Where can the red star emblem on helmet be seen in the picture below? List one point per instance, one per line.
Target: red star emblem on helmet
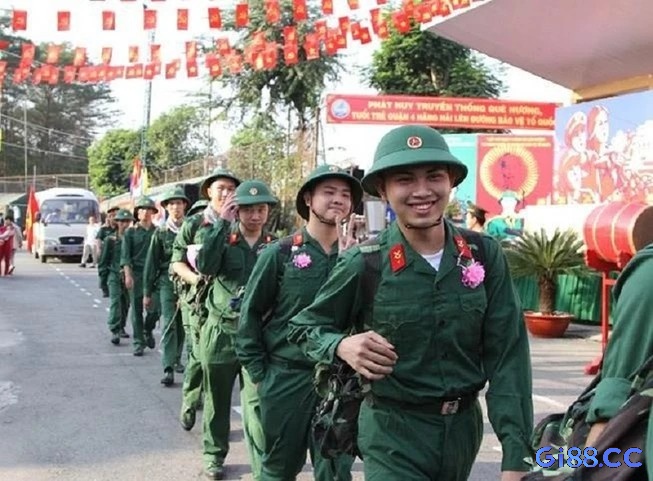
(414, 142)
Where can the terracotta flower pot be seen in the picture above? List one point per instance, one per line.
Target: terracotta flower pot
(547, 325)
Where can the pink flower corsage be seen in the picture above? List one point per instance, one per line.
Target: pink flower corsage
(302, 261)
(473, 274)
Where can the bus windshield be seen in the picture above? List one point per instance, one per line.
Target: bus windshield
(68, 211)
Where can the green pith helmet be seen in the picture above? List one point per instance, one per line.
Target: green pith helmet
(215, 175)
(124, 214)
(145, 203)
(113, 209)
(198, 206)
(176, 193)
(253, 192)
(324, 172)
(409, 146)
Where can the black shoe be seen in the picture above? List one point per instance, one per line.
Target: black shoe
(168, 378)
(179, 368)
(82, 265)
(187, 417)
(213, 470)
(124, 334)
(149, 341)
(138, 352)
(115, 338)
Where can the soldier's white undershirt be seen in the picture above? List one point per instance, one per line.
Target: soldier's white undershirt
(434, 259)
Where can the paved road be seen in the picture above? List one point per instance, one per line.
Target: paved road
(74, 407)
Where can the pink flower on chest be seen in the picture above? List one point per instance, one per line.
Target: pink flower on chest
(473, 274)
(302, 261)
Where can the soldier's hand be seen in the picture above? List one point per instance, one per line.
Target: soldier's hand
(369, 354)
(346, 233)
(147, 302)
(129, 281)
(229, 208)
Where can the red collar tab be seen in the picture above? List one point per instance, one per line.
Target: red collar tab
(233, 239)
(397, 258)
(297, 239)
(463, 248)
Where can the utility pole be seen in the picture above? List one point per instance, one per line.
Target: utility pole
(148, 105)
(25, 141)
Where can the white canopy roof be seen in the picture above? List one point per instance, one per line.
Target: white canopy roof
(578, 44)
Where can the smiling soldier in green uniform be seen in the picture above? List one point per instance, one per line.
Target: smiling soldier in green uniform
(192, 288)
(108, 228)
(110, 263)
(157, 278)
(227, 256)
(283, 283)
(443, 322)
(135, 244)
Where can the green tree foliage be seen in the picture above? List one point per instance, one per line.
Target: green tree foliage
(61, 119)
(176, 138)
(420, 63)
(111, 159)
(261, 150)
(297, 86)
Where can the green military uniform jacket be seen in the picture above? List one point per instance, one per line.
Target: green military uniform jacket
(157, 263)
(450, 339)
(192, 232)
(278, 290)
(631, 342)
(104, 232)
(505, 227)
(110, 255)
(135, 244)
(228, 259)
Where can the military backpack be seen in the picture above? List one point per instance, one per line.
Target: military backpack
(627, 429)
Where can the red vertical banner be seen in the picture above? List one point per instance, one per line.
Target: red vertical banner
(108, 20)
(242, 15)
(63, 21)
(133, 54)
(519, 164)
(107, 53)
(149, 19)
(182, 19)
(53, 54)
(19, 20)
(215, 18)
(30, 216)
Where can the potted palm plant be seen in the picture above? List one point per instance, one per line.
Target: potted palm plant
(535, 254)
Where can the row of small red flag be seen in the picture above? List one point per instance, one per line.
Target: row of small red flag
(259, 53)
(241, 13)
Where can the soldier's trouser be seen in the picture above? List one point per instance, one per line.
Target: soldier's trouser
(192, 387)
(252, 426)
(423, 446)
(118, 303)
(288, 402)
(172, 330)
(139, 328)
(219, 370)
(103, 280)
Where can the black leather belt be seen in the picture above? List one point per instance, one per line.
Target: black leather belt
(444, 406)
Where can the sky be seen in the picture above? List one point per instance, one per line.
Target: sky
(341, 142)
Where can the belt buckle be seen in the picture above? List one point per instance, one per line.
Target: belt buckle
(450, 407)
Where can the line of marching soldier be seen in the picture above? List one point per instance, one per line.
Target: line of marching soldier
(425, 315)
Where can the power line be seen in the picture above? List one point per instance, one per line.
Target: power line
(46, 129)
(42, 151)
